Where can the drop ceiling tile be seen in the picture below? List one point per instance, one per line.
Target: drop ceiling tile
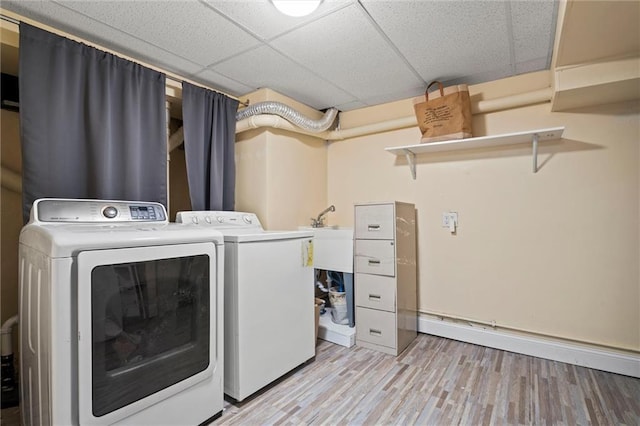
(446, 39)
(503, 71)
(532, 65)
(185, 28)
(351, 106)
(394, 96)
(79, 25)
(337, 56)
(346, 49)
(264, 67)
(216, 81)
(534, 25)
(264, 20)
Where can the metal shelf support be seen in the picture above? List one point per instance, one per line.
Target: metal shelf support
(411, 159)
(535, 152)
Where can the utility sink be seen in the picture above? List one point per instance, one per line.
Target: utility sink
(332, 248)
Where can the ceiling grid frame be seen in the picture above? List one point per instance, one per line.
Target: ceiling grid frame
(370, 70)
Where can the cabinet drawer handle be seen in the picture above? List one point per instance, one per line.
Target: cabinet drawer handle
(373, 227)
(375, 332)
(374, 262)
(375, 296)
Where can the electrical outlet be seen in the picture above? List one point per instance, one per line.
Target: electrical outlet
(447, 217)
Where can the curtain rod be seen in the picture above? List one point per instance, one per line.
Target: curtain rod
(9, 19)
(169, 75)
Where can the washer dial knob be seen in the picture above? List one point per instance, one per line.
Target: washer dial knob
(110, 212)
(247, 218)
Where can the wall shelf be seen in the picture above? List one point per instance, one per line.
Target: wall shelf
(532, 136)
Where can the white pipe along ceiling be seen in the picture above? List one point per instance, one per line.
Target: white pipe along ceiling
(277, 122)
(479, 107)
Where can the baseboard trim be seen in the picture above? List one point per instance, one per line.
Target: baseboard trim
(563, 351)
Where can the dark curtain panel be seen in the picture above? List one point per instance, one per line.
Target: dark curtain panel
(93, 125)
(209, 121)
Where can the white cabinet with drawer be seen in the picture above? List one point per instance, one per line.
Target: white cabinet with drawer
(385, 275)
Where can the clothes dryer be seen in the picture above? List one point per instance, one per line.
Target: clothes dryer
(120, 316)
(269, 324)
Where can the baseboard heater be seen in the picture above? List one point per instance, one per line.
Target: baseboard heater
(610, 360)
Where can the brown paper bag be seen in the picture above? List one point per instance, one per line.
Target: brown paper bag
(444, 115)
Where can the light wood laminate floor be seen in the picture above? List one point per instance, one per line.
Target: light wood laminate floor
(435, 381)
(438, 381)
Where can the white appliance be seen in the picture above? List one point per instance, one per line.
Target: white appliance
(120, 316)
(269, 313)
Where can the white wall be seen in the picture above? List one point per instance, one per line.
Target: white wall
(281, 176)
(556, 252)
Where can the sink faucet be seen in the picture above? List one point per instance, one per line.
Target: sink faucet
(319, 221)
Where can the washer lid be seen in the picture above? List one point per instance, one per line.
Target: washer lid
(237, 236)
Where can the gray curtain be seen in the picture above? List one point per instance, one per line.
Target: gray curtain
(93, 125)
(209, 121)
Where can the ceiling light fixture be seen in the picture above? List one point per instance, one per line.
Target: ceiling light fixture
(296, 8)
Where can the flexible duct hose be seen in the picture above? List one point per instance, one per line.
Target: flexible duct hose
(289, 114)
(6, 335)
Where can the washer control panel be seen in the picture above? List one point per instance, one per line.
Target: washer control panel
(70, 210)
(221, 219)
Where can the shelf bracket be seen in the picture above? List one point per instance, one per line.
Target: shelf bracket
(535, 152)
(411, 159)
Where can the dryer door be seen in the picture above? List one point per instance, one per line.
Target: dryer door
(145, 326)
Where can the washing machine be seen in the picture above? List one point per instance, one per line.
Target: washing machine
(121, 316)
(269, 317)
